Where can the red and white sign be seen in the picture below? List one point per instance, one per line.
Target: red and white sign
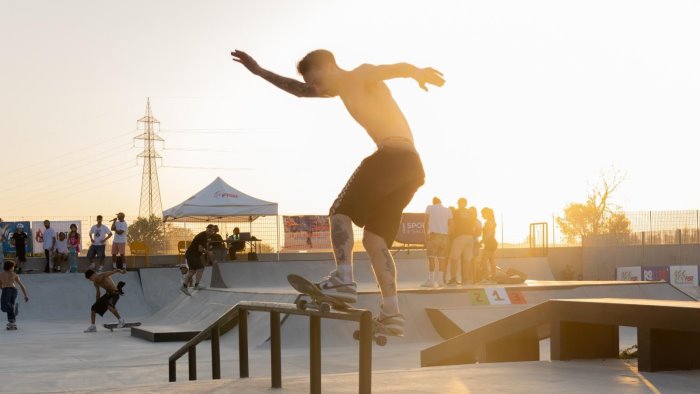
(629, 273)
(684, 275)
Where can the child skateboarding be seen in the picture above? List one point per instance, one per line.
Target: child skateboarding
(384, 183)
(108, 301)
(8, 300)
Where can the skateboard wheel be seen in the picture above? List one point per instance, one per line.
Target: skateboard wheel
(356, 335)
(325, 308)
(301, 304)
(380, 340)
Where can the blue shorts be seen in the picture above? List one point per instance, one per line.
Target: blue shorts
(96, 251)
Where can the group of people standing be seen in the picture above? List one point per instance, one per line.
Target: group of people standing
(454, 237)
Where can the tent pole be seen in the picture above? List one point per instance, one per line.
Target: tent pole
(278, 237)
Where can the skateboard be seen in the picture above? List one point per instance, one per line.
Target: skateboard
(112, 326)
(319, 301)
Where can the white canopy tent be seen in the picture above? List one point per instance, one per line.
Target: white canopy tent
(219, 201)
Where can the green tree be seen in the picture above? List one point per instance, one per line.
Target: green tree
(148, 230)
(597, 215)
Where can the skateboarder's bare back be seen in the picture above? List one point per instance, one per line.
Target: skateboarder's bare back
(383, 184)
(108, 301)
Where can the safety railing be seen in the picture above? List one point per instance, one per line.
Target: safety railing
(240, 310)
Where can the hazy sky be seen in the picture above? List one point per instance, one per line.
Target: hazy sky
(541, 96)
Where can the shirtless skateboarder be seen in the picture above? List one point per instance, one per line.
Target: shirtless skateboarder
(383, 184)
(108, 301)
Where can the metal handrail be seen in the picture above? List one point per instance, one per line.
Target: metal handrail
(240, 310)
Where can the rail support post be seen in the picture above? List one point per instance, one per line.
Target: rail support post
(315, 353)
(215, 354)
(275, 350)
(366, 353)
(243, 342)
(192, 361)
(172, 372)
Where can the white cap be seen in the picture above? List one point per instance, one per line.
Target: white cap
(20, 225)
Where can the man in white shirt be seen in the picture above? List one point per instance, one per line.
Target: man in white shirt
(99, 234)
(49, 245)
(119, 227)
(437, 218)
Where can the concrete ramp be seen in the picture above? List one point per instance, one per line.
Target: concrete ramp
(185, 316)
(162, 285)
(70, 296)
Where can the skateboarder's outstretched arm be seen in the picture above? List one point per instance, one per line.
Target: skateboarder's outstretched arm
(383, 72)
(112, 272)
(289, 85)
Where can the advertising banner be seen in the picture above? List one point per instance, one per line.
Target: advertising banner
(629, 273)
(58, 226)
(307, 232)
(655, 273)
(8, 228)
(411, 229)
(684, 275)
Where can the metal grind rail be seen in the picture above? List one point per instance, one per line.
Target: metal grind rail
(240, 310)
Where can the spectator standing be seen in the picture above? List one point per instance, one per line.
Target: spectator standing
(437, 218)
(120, 227)
(462, 249)
(3, 228)
(49, 245)
(488, 258)
(73, 248)
(99, 234)
(60, 251)
(19, 241)
(476, 262)
(8, 298)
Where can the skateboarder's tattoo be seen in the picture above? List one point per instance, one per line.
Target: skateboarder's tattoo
(390, 269)
(340, 239)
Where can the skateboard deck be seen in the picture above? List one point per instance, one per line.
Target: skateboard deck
(112, 326)
(319, 301)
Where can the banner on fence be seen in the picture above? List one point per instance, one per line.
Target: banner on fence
(684, 275)
(411, 229)
(58, 226)
(307, 232)
(629, 273)
(8, 228)
(655, 273)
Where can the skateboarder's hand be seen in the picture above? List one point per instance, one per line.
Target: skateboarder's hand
(122, 271)
(429, 75)
(246, 60)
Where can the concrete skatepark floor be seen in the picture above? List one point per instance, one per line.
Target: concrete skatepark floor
(50, 352)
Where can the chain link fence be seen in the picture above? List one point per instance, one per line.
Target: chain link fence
(654, 228)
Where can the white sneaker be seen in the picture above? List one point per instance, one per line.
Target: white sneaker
(99, 269)
(333, 286)
(390, 324)
(428, 283)
(92, 328)
(91, 266)
(121, 323)
(184, 290)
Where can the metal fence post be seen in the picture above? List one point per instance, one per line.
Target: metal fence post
(243, 342)
(275, 350)
(172, 372)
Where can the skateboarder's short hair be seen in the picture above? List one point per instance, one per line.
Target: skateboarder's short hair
(89, 273)
(8, 265)
(314, 59)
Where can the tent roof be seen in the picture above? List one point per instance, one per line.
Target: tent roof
(219, 201)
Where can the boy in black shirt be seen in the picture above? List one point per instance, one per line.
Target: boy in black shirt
(19, 240)
(193, 256)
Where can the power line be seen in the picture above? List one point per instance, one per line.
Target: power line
(211, 168)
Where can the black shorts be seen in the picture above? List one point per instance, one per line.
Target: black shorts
(379, 190)
(103, 304)
(194, 261)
